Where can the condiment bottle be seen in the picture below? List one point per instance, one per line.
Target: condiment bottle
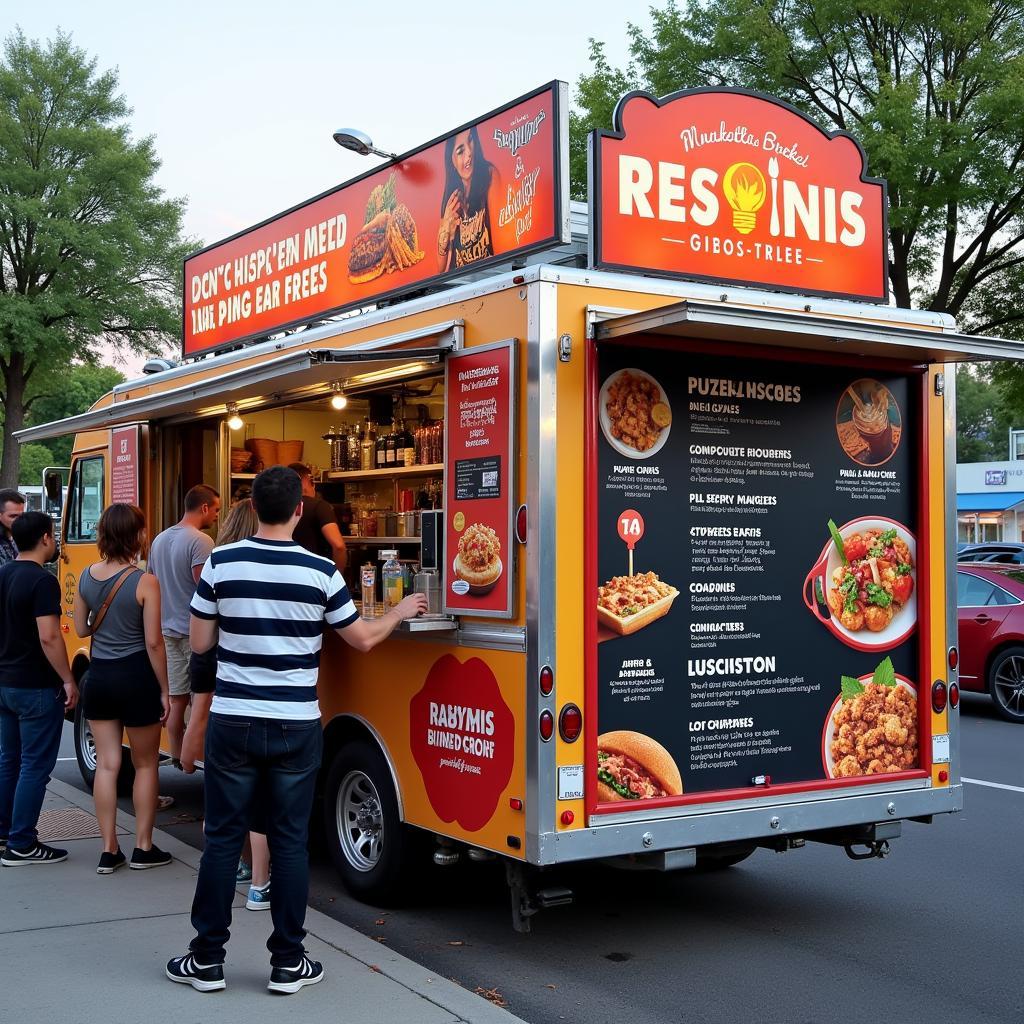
(391, 577)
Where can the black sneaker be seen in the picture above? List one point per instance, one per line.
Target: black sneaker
(110, 862)
(290, 979)
(188, 972)
(37, 853)
(154, 857)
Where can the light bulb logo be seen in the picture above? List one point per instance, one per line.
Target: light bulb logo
(745, 191)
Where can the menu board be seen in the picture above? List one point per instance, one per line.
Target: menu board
(756, 545)
(124, 471)
(479, 392)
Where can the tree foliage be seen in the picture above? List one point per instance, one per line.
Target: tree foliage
(984, 416)
(90, 248)
(933, 90)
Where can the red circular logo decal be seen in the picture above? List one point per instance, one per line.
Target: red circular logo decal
(462, 735)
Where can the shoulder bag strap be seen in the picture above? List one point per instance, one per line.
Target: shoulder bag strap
(102, 613)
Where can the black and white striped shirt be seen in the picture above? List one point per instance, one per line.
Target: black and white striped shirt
(271, 600)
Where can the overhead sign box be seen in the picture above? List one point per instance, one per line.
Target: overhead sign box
(730, 186)
(486, 192)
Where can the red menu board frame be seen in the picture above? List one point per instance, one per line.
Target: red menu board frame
(398, 228)
(124, 465)
(480, 479)
(733, 186)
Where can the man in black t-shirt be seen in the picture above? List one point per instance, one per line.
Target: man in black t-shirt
(36, 688)
(318, 528)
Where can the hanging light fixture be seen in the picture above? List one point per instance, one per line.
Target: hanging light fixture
(235, 422)
(338, 399)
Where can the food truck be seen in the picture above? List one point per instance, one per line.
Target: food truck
(676, 477)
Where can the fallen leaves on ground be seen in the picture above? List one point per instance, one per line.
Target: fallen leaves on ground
(492, 995)
(375, 969)
(380, 920)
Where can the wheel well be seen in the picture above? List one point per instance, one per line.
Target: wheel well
(995, 652)
(344, 729)
(78, 667)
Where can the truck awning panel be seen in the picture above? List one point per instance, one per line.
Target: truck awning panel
(294, 377)
(730, 323)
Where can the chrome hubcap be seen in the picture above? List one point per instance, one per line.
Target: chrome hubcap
(87, 745)
(1009, 685)
(360, 821)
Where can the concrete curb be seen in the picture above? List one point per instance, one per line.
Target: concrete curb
(467, 1006)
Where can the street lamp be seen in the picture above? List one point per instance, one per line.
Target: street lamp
(359, 142)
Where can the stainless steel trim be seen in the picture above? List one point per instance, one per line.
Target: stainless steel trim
(952, 628)
(609, 840)
(492, 636)
(387, 757)
(694, 318)
(541, 584)
(768, 800)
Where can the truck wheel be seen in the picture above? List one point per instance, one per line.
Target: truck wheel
(85, 748)
(369, 845)
(1006, 683)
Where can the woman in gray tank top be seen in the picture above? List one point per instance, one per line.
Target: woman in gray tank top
(125, 687)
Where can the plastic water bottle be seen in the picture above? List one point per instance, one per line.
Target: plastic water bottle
(391, 577)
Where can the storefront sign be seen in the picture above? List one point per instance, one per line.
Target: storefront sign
(479, 481)
(462, 735)
(124, 465)
(730, 186)
(753, 562)
(486, 192)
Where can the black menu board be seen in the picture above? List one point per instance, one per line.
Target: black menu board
(756, 527)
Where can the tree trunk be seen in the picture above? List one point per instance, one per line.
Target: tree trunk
(14, 419)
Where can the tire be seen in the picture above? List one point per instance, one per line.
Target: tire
(85, 749)
(1006, 683)
(371, 848)
(85, 755)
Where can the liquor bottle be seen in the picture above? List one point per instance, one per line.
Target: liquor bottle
(368, 446)
(391, 449)
(410, 445)
(382, 449)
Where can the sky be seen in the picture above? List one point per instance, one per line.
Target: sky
(243, 97)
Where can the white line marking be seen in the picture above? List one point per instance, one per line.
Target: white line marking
(994, 785)
(67, 758)
(678, 241)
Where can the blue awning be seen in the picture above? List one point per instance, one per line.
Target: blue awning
(992, 501)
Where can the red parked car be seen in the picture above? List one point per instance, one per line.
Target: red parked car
(990, 613)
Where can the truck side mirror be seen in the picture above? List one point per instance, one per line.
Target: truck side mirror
(53, 484)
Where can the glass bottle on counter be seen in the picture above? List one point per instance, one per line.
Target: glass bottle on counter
(391, 447)
(368, 586)
(391, 578)
(368, 446)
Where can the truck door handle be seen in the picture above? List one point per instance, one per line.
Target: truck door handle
(982, 619)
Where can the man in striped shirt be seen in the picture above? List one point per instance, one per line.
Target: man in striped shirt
(264, 602)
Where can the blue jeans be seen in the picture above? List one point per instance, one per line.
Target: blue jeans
(30, 726)
(261, 768)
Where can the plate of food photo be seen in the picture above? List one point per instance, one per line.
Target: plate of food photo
(634, 413)
(478, 562)
(871, 728)
(626, 604)
(863, 586)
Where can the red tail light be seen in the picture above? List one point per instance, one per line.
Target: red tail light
(954, 696)
(521, 524)
(547, 680)
(939, 696)
(547, 725)
(570, 723)
(954, 658)
(568, 817)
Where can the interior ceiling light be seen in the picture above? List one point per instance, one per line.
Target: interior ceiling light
(235, 422)
(338, 399)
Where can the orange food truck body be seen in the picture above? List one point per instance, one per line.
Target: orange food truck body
(693, 545)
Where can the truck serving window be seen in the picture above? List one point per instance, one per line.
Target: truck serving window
(86, 499)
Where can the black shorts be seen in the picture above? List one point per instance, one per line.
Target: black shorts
(123, 690)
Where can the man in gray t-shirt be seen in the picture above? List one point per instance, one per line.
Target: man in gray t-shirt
(176, 558)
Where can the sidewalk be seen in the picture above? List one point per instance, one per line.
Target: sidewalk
(88, 948)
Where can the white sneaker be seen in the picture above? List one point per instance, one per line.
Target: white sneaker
(259, 897)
